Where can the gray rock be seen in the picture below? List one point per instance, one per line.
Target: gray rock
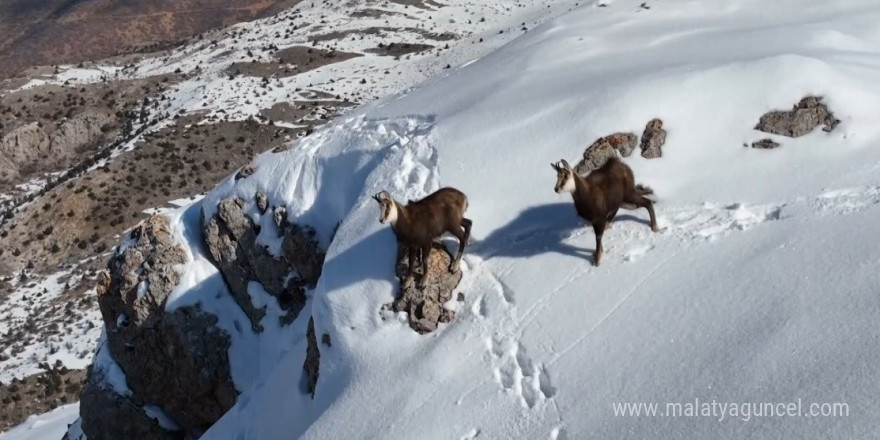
(765, 144)
(803, 118)
(23, 146)
(245, 172)
(595, 156)
(107, 415)
(605, 148)
(301, 250)
(624, 143)
(231, 235)
(425, 307)
(279, 214)
(176, 360)
(313, 357)
(653, 139)
(262, 203)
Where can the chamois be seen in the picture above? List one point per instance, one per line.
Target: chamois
(417, 224)
(599, 195)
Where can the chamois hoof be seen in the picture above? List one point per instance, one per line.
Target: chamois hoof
(654, 229)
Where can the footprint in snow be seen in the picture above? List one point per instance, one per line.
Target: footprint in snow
(474, 433)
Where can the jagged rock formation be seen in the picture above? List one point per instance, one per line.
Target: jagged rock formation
(605, 148)
(653, 139)
(425, 307)
(26, 146)
(313, 357)
(231, 235)
(177, 361)
(109, 415)
(803, 118)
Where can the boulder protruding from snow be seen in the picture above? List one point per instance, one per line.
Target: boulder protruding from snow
(653, 139)
(313, 357)
(109, 415)
(765, 144)
(425, 307)
(803, 118)
(231, 238)
(175, 360)
(605, 148)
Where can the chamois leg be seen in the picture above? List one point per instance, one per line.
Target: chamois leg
(643, 202)
(463, 237)
(598, 229)
(426, 254)
(610, 219)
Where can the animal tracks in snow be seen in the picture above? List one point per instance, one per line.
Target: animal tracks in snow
(710, 220)
(528, 380)
(518, 374)
(847, 201)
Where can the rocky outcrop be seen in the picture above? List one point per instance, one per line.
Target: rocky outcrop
(653, 139)
(313, 357)
(177, 361)
(231, 238)
(624, 143)
(107, 414)
(803, 118)
(26, 147)
(425, 307)
(605, 148)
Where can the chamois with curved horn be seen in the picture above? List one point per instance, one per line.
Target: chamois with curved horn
(420, 222)
(599, 195)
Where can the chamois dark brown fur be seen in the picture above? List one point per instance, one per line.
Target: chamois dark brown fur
(599, 195)
(420, 222)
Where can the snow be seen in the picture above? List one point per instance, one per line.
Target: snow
(760, 286)
(33, 340)
(51, 425)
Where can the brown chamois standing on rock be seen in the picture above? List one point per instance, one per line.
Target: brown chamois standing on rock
(599, 195)
(417, 224)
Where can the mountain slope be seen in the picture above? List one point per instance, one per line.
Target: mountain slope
(757, 289)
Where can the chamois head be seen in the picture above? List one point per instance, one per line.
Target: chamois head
(387, 207)
(564, 177)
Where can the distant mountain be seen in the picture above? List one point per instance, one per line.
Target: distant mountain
(34, 33)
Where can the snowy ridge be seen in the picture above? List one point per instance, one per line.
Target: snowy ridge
(738, 298)
(760, 286)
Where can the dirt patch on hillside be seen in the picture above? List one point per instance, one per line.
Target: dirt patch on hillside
(38, 394)
(306, 113)
(52, 127)
(291, 61)
(421, 4)
(53, 32)
(382, 31)
(81, 218)
(399, 49)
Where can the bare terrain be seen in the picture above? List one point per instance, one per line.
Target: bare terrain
(55, 32)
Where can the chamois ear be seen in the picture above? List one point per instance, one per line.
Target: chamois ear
(565, 164)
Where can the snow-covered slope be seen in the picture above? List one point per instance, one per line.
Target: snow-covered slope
(51, 425)
(760, 286)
